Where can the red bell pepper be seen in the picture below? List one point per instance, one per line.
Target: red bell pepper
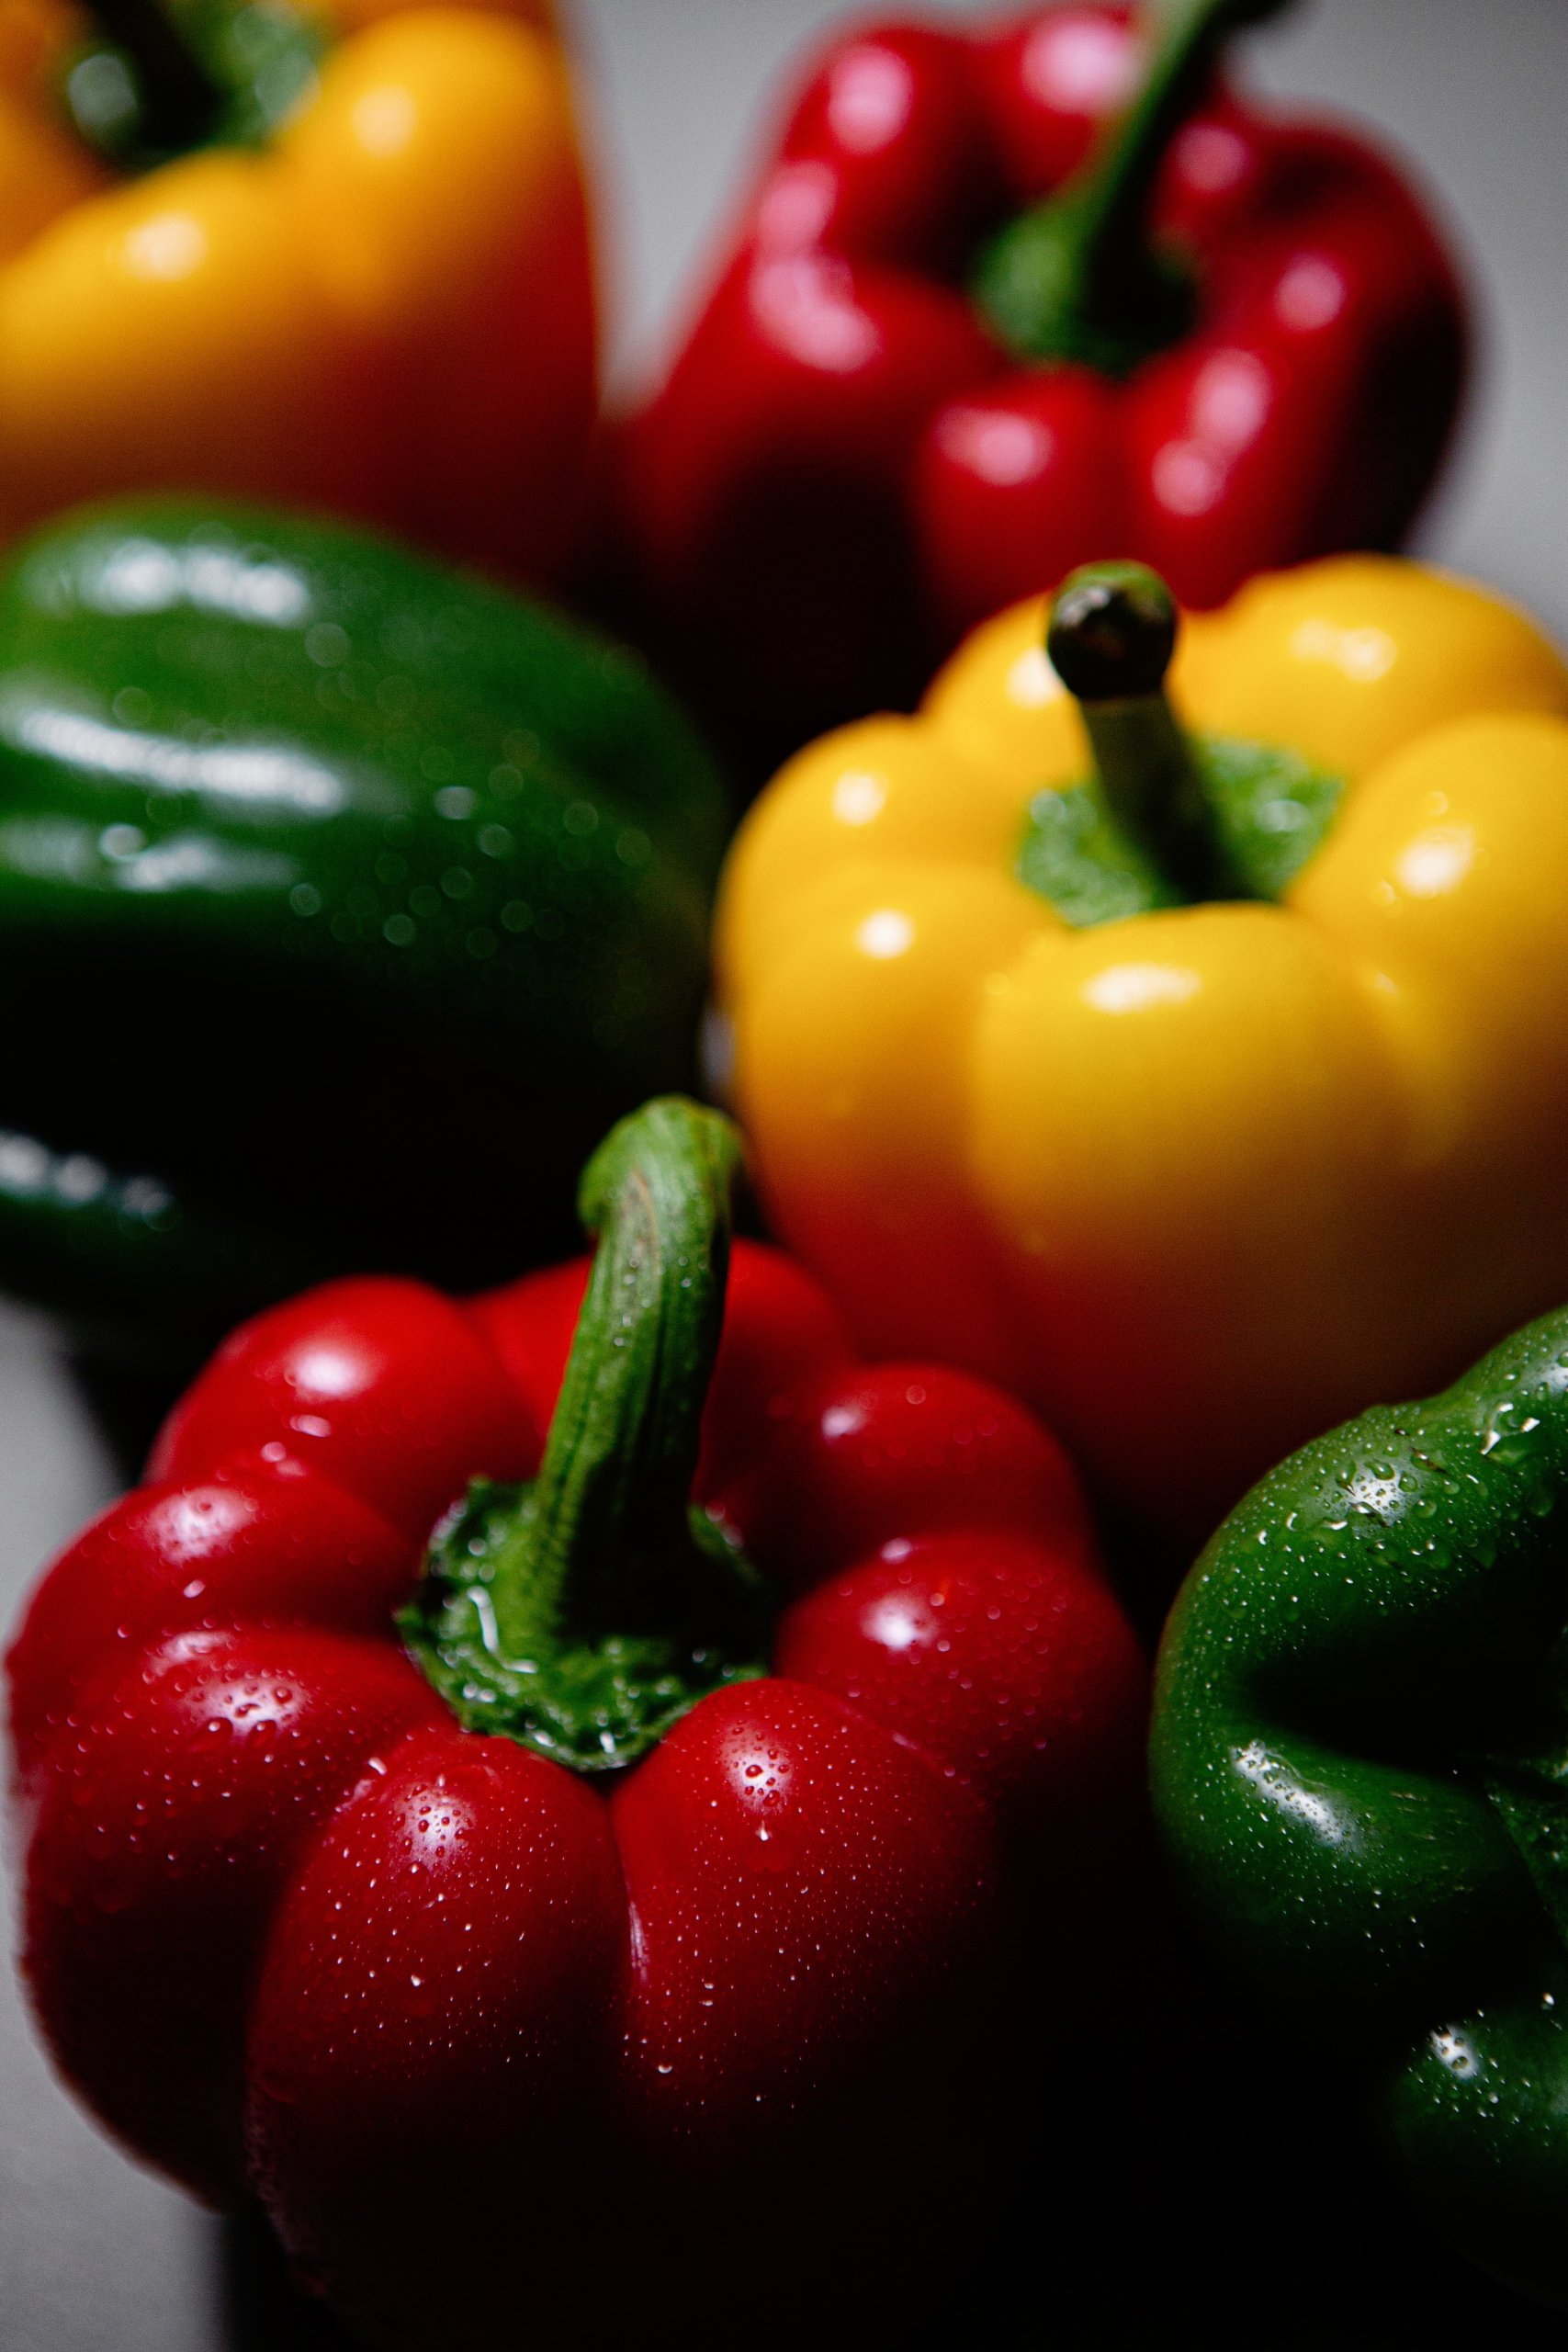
(1009, 298)
(565, 1956)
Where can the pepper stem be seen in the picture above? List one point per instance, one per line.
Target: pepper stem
(179, 101)
(611, 1501)
(584, 1613)
(1112, 634)
(1075, 280)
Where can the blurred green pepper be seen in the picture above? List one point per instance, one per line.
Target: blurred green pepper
(343, 900)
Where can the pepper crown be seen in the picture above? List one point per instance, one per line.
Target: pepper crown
(1168, 818)
(582, 1614)
(1077, 279)
(160, 77)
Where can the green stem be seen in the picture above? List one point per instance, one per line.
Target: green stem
(586, 1612)
(611, 1501)
(180, 101)
(1075, 279)
(1114, 201)
(1112, 634)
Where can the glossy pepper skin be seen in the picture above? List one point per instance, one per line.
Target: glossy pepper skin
(847, 464)
(1199, 1181)
(1359, 1768)
(386, 310)
(341, 900)
(737, 2012)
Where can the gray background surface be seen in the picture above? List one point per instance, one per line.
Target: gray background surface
(95, 2256)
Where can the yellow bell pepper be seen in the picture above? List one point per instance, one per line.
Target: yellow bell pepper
(387, 311)
(1204, 1181)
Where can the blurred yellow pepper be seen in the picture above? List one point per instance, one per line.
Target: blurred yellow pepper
(387, 310)
(1207, 1179)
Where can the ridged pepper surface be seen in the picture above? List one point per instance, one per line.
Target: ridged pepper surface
(343, 900)
(1360, 1766)
(681, 1941)
(348, 266)
(1008, 295)
(1201, 1086)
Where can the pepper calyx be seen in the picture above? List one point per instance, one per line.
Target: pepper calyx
(1078, 279)
(1167, 817)
(582, 1614)
(159, 78)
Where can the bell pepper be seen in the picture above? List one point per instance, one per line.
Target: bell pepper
(1173, 1072)
(342, 901)
(657, 1886)
(365, 286)
(1360, 1755)
(1005, 296)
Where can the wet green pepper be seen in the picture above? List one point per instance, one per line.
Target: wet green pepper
(341, 900)
(1360, 1766)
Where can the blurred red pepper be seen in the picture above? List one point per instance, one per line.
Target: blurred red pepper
(496, 2047)
(1009, 298)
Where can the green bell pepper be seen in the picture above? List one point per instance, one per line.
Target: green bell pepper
(1360, 1767)
(343, 900)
